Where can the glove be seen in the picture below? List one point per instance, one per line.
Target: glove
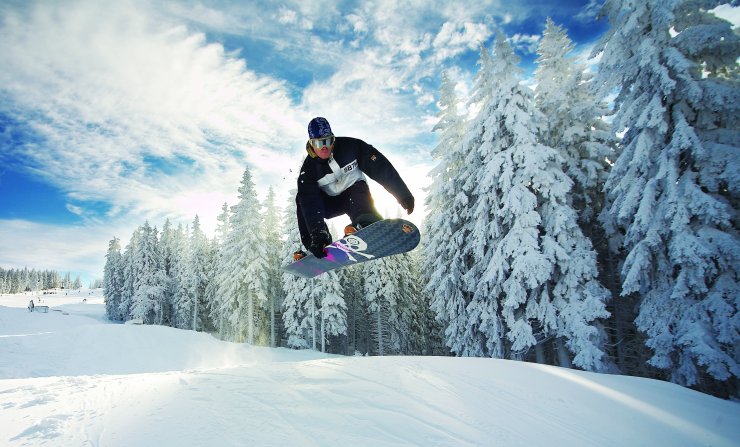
(320, 238)
(408, 204)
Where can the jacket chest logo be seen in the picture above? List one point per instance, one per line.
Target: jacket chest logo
(341, 171)
(340, 178)
(350, 167)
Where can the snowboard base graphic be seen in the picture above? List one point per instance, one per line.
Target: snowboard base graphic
(383, 238)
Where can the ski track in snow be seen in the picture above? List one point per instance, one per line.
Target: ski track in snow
(73, 380)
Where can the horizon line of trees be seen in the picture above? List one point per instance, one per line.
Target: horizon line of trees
(553, 235)
(25, 280)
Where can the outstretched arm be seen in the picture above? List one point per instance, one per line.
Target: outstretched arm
(378, 168)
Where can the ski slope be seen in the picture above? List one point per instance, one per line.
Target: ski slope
(70, 378)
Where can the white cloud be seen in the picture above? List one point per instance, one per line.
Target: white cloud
(287, 16)
(590, 12)
(75, 209)
(525, 42)
(454, 39)
(136, 112)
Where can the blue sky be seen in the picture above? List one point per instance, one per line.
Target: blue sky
(113, 113)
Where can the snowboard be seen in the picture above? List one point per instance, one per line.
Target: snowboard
(378, 240)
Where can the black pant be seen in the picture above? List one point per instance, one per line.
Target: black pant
(355, 201)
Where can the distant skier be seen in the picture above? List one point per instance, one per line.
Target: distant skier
(332, 182)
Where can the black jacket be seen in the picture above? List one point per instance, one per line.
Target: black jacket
(351, 159)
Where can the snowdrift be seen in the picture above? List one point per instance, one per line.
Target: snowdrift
(75, 379)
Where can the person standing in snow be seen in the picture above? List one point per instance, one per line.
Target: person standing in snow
(332, 182)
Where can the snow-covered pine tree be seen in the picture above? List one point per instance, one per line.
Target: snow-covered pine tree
(166, 246)
(242, 273)
(534, 273)
(182, 301)
(199, 265)
(296, 289)
(406, 317)
(382, 296)
(446, 261)
(149, 284)
(130, 273)
(326, 297)
(358, 328)
(574, 126)
(113, 280)
(213, 298)
(672, 195)
(425, 333)
(214, 250)
(273, 285)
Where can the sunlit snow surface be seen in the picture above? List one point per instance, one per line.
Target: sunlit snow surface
(69, 378)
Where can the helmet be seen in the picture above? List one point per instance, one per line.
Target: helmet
(319, 127)
(319, 134)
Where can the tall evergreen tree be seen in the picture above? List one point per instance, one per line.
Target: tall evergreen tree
(182, 300)
(131, 270)
(149, 283)
(199, 266)
(672, 195)
(273, 286)
(213, 298)
(534, 275)
(575, 126)
(327, 296)
(296, 289)
(242, 273)
(167, 247)
(358, 324)
(113, 280)
(445, 230)
(382, 295)
(424, 335)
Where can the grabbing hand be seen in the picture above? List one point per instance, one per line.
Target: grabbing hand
(408, 204)
(320, 238)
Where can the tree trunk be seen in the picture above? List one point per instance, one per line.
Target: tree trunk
(250, 321)
(563, 354)
(313, 323)
(323, 331)
(539, 350)
(272, 321)
(380, 332)
(195, 313)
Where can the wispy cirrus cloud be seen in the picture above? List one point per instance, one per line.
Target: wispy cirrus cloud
(135, 112)
(526, 43)
(139, 110)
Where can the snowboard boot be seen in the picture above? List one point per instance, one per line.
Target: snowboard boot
(363, 221)
(298, 255)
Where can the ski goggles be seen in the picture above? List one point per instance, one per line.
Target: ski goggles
(318, 143)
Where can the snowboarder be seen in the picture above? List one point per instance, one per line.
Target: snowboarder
(332, 182)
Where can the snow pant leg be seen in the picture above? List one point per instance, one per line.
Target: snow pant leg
(355, 201)
(302, 227)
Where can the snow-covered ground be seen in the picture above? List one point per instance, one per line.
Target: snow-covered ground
(69, 378)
